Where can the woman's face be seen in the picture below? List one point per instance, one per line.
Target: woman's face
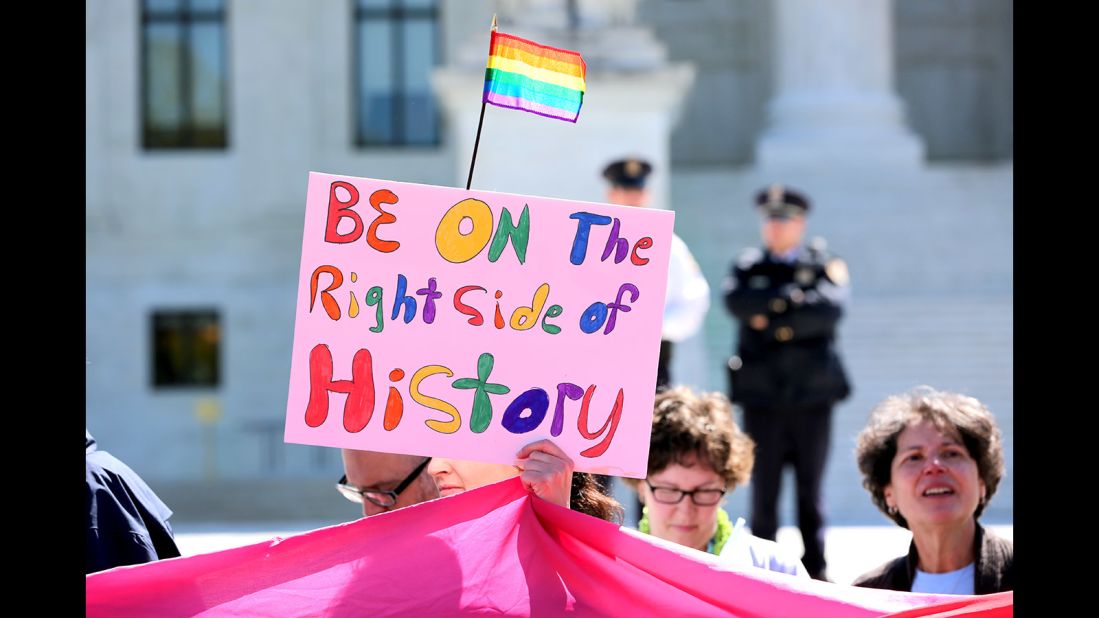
(685, 523)
(934, 481)
(453, 476)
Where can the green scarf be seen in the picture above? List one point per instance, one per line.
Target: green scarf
(724, 529)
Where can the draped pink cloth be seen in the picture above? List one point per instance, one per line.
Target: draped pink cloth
(495, 551)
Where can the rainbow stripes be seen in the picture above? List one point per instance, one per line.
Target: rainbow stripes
(522, 74)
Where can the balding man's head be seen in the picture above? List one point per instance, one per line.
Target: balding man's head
(376, 474)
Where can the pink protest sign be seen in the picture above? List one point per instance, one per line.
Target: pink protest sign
(465, 324)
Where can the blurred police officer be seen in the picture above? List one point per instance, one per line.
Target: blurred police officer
(786, 375)
(688, 295)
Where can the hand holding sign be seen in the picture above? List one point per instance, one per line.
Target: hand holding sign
(546, 471)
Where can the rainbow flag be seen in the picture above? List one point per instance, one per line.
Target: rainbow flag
(522, 74)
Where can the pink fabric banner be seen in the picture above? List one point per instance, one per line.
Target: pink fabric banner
(1000, 605)
(494, 550)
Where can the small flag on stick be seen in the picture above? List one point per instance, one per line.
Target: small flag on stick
(524, 75)
(544, 80)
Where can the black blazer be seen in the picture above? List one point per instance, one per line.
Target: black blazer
(994, 572)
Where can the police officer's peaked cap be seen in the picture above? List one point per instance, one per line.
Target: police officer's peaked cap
(780, 201)
(628, 173)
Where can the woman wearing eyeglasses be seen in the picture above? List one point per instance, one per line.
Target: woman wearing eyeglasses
(697, 454)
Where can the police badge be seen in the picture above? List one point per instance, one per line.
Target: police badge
(836, 269)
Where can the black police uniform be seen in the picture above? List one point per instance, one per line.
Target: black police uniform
(787, 377)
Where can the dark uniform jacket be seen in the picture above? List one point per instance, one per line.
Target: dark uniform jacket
(127, 522)
(793, 361)
(994, 571)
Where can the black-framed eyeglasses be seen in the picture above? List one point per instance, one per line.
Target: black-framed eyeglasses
(379, 497)
(672, 495)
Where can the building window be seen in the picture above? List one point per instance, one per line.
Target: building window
(396, 46)
(183, 74)
(186, 347)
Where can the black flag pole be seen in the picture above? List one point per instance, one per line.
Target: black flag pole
(476, 142)
(480, 123)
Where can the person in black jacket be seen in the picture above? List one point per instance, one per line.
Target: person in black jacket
(788, 298)
(127, 522)
(931, 461)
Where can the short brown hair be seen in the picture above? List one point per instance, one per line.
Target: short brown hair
(949, 413)
(689, 427)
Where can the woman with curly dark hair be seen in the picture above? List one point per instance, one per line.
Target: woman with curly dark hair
(546, 471)
(931, 461)
(697, 454)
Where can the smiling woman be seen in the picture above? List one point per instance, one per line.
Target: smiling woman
(931, 461)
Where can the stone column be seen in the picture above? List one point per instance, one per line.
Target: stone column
(834, 101)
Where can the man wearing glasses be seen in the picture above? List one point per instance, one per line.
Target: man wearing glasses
(383, 482)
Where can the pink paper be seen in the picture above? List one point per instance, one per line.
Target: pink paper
(574, 345)
(494, 551)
